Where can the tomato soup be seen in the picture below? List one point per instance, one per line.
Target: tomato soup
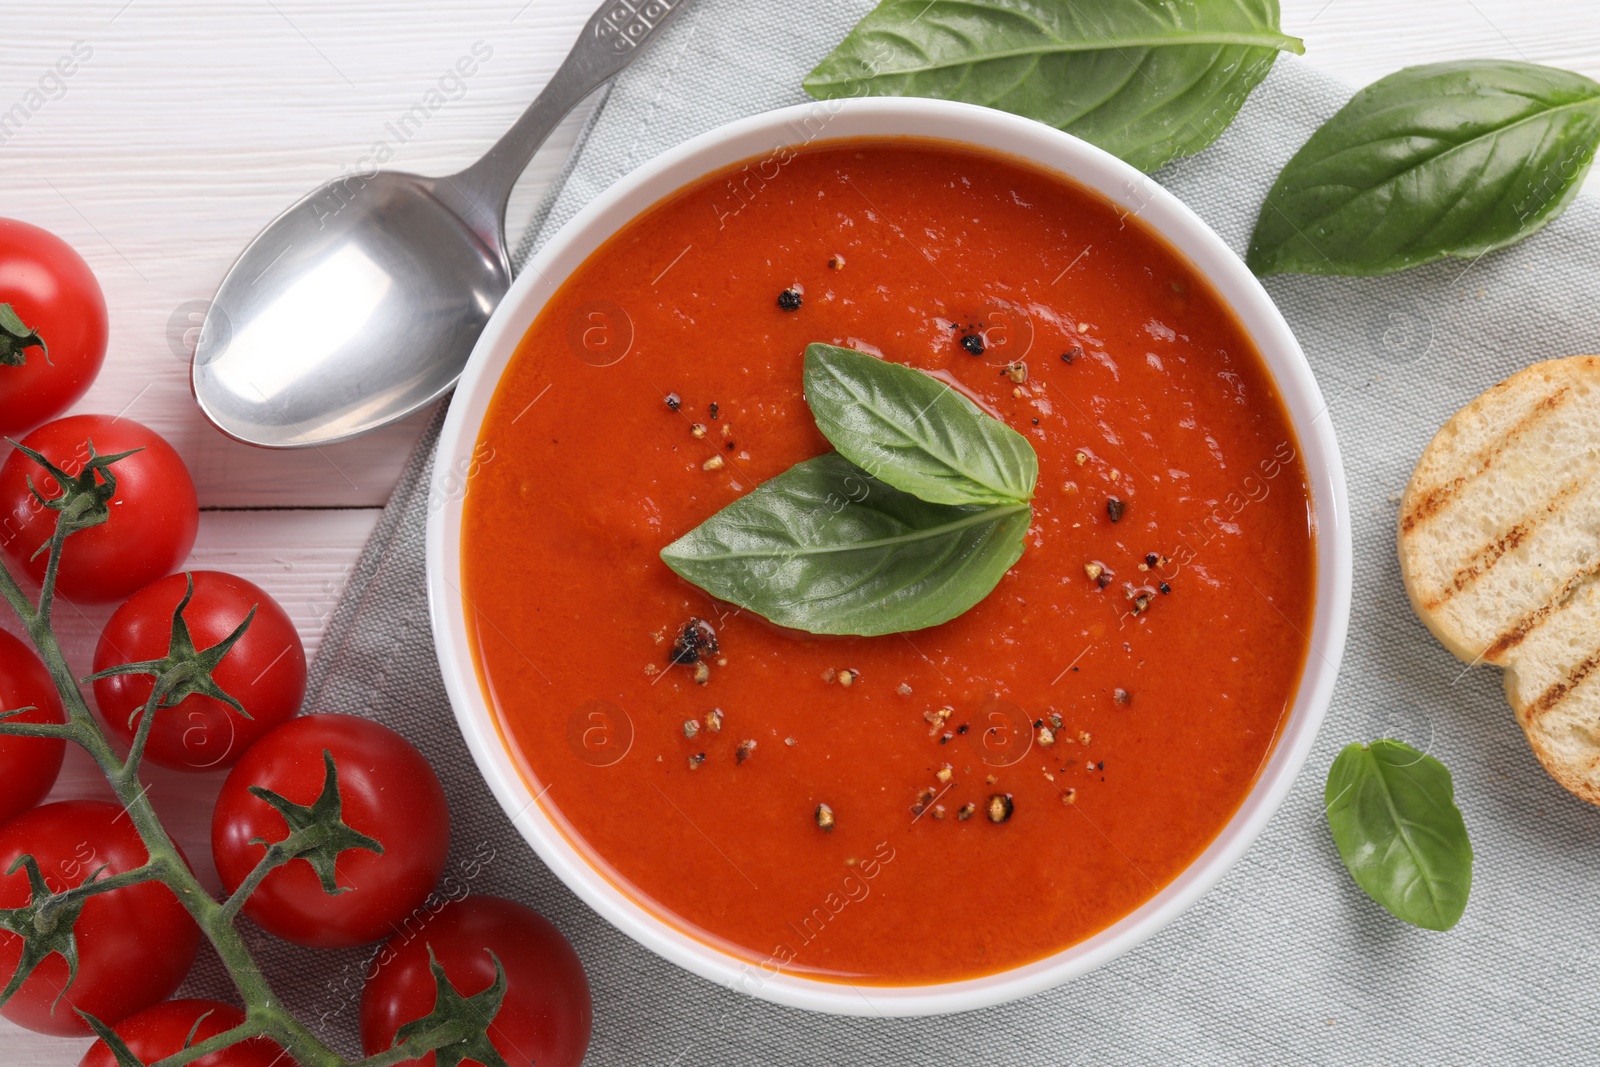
(920, 807)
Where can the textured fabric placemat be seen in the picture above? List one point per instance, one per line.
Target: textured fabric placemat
(1285, 961)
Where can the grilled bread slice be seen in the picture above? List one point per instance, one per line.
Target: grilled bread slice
(1500, 553)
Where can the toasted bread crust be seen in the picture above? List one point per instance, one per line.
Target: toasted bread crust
(1499, 543)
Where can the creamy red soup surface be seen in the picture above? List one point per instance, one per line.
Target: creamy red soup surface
(1002, 786)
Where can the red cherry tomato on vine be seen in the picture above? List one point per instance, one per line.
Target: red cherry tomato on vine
(166, 1029)
(154, 513)
(54, 298)
(546, 1015)
(135, 944)
(388, 793)
(265, 670)
(28, 765)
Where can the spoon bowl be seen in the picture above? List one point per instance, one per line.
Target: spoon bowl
(360, 304)
(356, 308)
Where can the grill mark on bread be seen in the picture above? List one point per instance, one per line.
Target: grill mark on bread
(1483, 559)
(1513, 445)
(1558, 692)
(1436, 499)
(1542, 614)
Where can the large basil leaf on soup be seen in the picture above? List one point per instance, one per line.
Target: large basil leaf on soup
(1147, 81)
(1394, 818)
(1448, 159)
(915, 432)
(827, 548)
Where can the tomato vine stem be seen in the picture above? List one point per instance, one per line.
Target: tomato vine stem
(264, 1014)
(246, 1030)
(129, 771)
(94, 886)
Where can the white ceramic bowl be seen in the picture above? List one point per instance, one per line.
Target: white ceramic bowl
(755, 137)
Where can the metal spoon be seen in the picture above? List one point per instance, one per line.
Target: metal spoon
(360, 304)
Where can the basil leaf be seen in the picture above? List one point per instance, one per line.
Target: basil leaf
(1393, 815)
(915, 432)
(825, 547)
(1448, 159)
(1148, 82)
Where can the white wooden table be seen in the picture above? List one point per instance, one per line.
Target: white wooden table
(194, 122)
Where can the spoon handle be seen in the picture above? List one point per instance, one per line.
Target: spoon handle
(613, 36)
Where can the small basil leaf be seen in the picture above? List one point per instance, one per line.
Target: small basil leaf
(915, 432)
(825, 547)
(1148, 82)
(1448, 159)
(1393, 815)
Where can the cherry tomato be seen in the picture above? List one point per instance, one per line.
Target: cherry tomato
(154, 513)
(135, 944)
(28, 765)
(166, 1029)
(546, 1015)
(265, 670)
(388, 792)
(55, 298)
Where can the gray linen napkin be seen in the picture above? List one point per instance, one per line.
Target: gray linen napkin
(1285, 961)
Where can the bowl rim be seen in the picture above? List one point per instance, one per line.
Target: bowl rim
(962, 125)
